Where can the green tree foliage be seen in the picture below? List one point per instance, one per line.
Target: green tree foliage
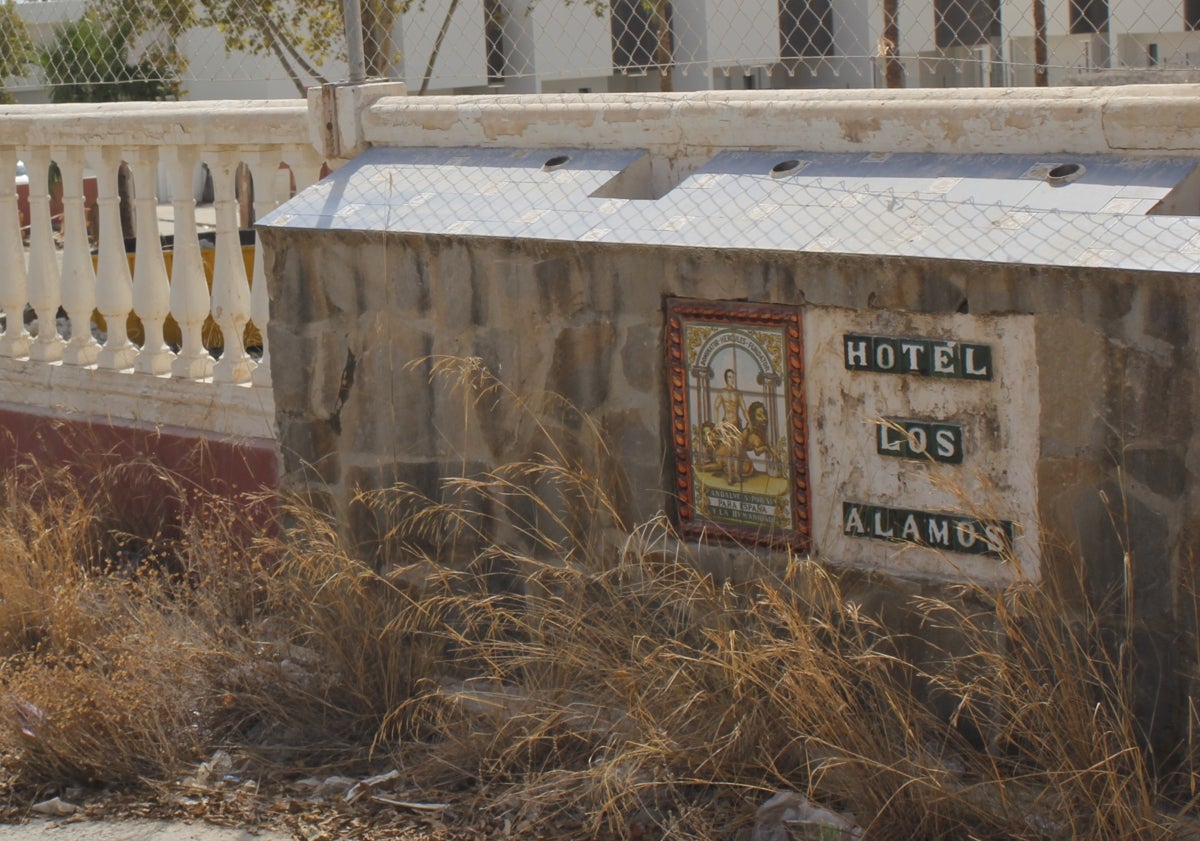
(305, 33)
(16, 51)
(300, 34)
(89, 61)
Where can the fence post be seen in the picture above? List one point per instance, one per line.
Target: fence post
(352, 13)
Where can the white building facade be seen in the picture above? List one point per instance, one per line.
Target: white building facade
(585, 46)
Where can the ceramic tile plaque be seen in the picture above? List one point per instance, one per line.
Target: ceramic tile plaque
(738, 426)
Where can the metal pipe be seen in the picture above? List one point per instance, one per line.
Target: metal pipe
(352, 13)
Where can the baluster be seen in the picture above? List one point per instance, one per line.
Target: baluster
(231, 290)
(13, 294)
(264, 171)
(43, 266)
(306, 166)
(114, 289)
(151, 290)
(189, 288)
(78, 276)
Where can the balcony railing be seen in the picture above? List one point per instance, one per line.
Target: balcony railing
(67, 290)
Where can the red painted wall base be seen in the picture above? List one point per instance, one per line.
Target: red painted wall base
(207, 463)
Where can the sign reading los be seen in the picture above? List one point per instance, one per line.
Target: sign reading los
(920, 439)
(917, 357)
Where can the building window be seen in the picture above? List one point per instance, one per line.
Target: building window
(637, 26)
(493, 34)
(806, 28)
(1088, 16)
(1191, 14)
(966, 23)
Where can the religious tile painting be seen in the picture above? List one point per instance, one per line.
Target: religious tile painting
(737, 421)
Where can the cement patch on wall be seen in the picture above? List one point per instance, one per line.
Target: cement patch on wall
(999, 423)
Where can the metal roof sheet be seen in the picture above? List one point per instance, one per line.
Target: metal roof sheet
(989, 208)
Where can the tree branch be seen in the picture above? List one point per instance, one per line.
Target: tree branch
(437, 47)
(272, 31)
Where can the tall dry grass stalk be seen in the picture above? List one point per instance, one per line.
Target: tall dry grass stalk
(117, 619)
(524, 643)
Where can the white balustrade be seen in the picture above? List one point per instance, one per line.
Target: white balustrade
(151, 289)
(79, 264)
(264, 171)
(43, 277)
(14, 341)
(141, 369)
(114, 288)
(189, 288)
(231, 289)
(78, 276)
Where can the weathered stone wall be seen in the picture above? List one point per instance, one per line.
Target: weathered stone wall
(1111, 395)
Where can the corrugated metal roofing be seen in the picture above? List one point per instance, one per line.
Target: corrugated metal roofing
(990, 208)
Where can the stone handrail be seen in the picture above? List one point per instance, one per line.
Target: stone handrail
(262, 135)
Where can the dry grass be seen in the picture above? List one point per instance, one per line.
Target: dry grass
(526, 644)
(115, 619)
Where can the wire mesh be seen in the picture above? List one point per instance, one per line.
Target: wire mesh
(88, 50)
(1094, 211)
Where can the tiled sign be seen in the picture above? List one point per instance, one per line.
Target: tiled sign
(738, 421)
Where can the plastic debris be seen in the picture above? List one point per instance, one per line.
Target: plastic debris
(364, 786)
(790, 816)
(56, 807)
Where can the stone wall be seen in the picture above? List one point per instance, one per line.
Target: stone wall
(1103, 408)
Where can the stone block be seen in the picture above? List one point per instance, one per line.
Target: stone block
(305, 300)
(1166, 315)
(381, 506)
(1160, 469)
(638, 278)
(1110, 521)
(311, 446)
(407, 274)
(1149, 400)
(581, 365)
(1103, 299)
(642, 357)
(387, 410)
(291, 354)
(457, 288)
(331, 372)
(1160, 684)
(1072, 373)
(561, 287)
(643, 455)
(340, 277)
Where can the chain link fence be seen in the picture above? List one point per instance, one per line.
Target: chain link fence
(93, 50)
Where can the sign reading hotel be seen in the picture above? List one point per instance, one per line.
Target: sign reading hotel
(738, 421)
(918, 357)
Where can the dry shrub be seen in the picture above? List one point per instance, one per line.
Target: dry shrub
(1049, 686)
(117, 631)
(613, 681)
(523, 641)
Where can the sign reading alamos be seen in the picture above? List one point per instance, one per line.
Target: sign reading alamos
(737, 420)
(947, 532)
